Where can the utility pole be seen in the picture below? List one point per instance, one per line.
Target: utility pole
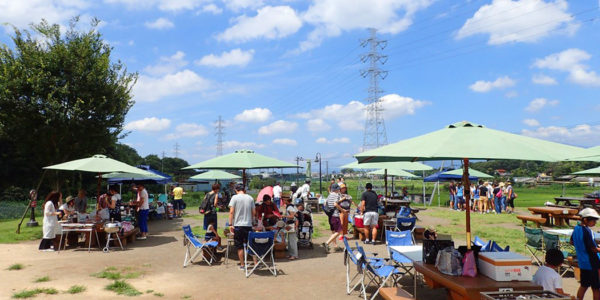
(298, 159)
(219, 127)
(374, 133)
(319, 159)
(176, 150)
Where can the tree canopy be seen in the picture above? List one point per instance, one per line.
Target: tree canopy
(62, 97)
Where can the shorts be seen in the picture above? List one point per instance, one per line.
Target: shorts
(370, 218)
(590, 278)
(510, 202)
(460, 199)
(210, 218)
(240, 236)
(178, 204)
(336, 224)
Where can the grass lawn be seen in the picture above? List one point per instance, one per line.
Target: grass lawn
(8, 230)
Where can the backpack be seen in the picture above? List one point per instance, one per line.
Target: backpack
(206, 205)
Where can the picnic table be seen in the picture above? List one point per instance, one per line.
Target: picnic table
(576, 201)
(556, 215)
(459, 287)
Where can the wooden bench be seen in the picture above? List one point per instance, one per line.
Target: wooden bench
(538, 220)
(128, 237)
(393, 293)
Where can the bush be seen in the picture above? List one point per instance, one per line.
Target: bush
(14, 193)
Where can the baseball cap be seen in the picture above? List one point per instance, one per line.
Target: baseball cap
(589, 213)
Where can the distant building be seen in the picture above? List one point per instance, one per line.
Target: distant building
(543, 177)
(525, 180)
(501, 172)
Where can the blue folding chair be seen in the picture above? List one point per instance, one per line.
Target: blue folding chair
(260, 245)
(404, 211)
(351, 255)
(191, 240)
(378, 274)
(402, 238)
(485, 246)
(404, 223)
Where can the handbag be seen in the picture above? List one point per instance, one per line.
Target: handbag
(469, 266)
(448, 262)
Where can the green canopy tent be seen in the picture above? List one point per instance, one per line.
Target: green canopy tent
(241, 160)
(99, 164)
(465, 140)
(472, 172)
(394, 172)
(214, 175)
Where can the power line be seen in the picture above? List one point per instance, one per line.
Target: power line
(220, 128)
(176, 150)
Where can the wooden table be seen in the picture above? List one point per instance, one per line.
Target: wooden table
(459, 287)
(557, 214)
(576, 201)
(393, 293)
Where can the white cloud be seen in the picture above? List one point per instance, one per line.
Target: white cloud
(270, 22)
(23, 13)
(254, 115)
(160, 23)
(531, 122)
(164, 5)
(212, 8)
(235, 57)
(351, 116)
(570, 61)
(519, 21)
(150, 89)
(511, 94)
(332, 17)
(287, 142)
(168, 64)
(242, 145)
(482, 86)
(582, 135)
(537, 104)
(187, 130)
(543, 79)
(237, 5)
(279, 126)
(342, 140)
(315, 125)
(149, 124)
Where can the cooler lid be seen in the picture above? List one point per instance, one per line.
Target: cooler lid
(504, 258)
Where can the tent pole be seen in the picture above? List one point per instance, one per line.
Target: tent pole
(438, 191)
(424, 203)
(467, 195)
(385, 183)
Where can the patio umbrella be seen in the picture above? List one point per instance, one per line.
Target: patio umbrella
(397, 165)
(98, 164)
(465, 140)
(394, 172)
(472, 173)
(593, 171)
(241, 160)
(267, 190)
(214, 175)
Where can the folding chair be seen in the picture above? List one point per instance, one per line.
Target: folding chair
(496, 248)
(350, 255)
(402, 238)
(378, 274)
(485, 246)
(534, 244)
(405, 211)
(260, 244)
(552, 241)
(404, 223)
(192, 240)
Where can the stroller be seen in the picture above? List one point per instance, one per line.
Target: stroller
(305, 230)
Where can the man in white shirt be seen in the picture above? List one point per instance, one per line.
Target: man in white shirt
(303, 191)
(142, 200)
(277, 194)
(241, 215)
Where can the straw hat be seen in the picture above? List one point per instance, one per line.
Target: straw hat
(501, 184)
(589, 213)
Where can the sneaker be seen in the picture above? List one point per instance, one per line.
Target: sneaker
(48, 250)
(326, 247)
(141, 237)
(367, 242)
(242, 268)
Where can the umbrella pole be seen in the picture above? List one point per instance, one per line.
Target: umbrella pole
(98, 188)
(467, 187)
(244, 178)
(385, 183)
(424, 203)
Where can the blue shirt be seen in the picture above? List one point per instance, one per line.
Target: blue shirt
(459, 192)
(583, 240)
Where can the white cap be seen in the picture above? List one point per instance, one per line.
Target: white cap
(589, 213)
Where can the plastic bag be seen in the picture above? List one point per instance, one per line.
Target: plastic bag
(448, 262)
(469, 266)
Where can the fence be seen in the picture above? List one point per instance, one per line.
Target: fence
(13, 210)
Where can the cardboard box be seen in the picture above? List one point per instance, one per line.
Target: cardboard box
(505, 266)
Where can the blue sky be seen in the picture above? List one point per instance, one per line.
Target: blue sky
(285, 75)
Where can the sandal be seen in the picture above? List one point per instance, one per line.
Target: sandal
(292, 257)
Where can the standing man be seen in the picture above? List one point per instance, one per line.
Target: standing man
(368, 206)
(304, 192)
(452, 192)
(142, 200)
(587, 253)
(178, 203)
(81, 202)
(277, 194)
(241, 216)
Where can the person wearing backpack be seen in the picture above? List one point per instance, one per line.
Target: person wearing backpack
(209, 206)
(497, 191)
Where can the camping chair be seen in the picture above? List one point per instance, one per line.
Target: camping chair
(533, 244)
(485, 246)
(552, 241)
(404, 211)
(404, 224)
(402, 238)
(351, 255)
(192, 240)
(378, 274)
(260, 244)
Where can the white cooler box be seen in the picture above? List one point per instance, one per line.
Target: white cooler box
(505, 266)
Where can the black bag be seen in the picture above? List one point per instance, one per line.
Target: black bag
(206, 205)
(432, 247)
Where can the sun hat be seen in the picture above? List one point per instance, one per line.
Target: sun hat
(589, 213)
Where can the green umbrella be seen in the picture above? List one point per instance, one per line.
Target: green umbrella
(465, 140)
(394, 172)
(132, 176)
(214, 175)
(472, 172)
(242, 160)
(398, 165)
(592, 171)
(594, 156)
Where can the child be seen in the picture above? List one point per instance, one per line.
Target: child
(587, 253)
(546, 276)
(212, 234)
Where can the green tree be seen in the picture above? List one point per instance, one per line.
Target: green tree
(61, 98)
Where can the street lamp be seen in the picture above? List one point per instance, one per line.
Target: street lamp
(318, 159)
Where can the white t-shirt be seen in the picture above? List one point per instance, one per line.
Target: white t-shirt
(547, 278)
(242, 213)
(65, 207)
(304, 190)
(277, 191)
(144, 199)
